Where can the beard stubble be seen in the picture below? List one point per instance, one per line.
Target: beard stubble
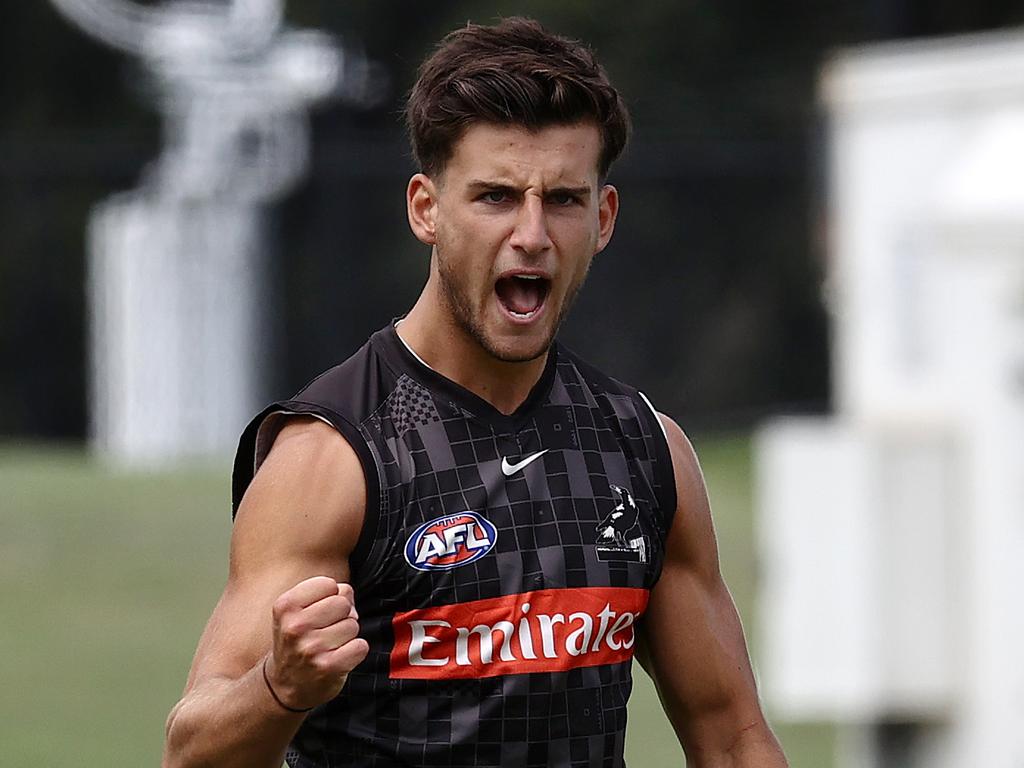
(458, 302)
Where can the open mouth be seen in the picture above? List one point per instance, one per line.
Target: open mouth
(522, 296)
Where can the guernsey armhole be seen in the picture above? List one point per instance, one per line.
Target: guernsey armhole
(657, 418)
(268, 430)
(668, 495)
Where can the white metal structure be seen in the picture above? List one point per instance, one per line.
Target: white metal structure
(176, 268)
(893, 533)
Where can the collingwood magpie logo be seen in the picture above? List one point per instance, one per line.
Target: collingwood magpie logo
(619, 536)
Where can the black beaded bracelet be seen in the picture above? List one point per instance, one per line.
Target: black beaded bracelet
(276, 698)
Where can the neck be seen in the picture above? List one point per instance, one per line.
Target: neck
(433, 335)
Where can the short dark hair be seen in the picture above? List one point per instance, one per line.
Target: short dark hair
(512, 73)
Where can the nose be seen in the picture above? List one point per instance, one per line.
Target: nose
(531, 228)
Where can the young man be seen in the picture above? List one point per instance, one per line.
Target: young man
(511, 523)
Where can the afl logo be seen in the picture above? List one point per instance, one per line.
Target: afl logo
(450, 541)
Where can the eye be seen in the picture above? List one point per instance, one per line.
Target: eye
(563, 198)
(494, 196)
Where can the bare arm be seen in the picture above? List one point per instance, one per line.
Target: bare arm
(285, 604)
(692, 642)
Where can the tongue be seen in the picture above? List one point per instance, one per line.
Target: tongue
(519, 295)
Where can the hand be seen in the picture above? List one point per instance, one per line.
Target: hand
(316, 642)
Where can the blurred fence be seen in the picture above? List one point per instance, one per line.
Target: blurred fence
(707, 296)
(704, 296)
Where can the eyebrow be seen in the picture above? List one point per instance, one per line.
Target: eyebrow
(481, 184)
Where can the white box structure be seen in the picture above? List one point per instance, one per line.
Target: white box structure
(893, 533)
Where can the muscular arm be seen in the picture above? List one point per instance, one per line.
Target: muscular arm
(692, 641)
(295, 527)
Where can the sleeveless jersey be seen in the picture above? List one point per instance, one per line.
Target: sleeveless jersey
(503, 565)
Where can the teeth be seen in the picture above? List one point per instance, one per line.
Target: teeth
(528, 277)
(522, 315)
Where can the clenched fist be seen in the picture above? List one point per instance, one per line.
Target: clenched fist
(315, 642)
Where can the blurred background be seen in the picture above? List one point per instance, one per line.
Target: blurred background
(713, 297)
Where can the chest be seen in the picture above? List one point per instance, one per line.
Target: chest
(470, 512)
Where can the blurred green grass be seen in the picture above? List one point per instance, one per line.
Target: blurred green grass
(107, 578)
(727, 465)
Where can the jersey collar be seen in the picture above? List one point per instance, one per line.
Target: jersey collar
(405, 360)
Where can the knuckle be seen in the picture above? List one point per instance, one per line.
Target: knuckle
(280, 607)
(322, 664)
(334, 602)
(292, 629)
(306, 648)
(345, 631)
(344, 605)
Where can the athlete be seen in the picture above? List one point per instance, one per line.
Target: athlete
(448, 549)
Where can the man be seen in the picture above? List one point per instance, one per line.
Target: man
(511, 523)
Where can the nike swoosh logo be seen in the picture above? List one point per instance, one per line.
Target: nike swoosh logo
(511, 469)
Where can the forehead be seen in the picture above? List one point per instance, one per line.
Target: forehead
(555, 153)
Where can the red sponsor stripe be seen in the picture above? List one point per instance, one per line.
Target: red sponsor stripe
(550, 630)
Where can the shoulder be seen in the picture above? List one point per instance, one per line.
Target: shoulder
(306, 442)
(692, 535)
(343, 398)
(308, 495)
(592, 375)
(684, 458)
(640, 422)
(309, 459)
(599, 384)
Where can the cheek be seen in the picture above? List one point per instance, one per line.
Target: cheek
(466, 258)
(462, 230)
(577, 239)
(474, 241)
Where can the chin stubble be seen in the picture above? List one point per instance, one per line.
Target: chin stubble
(461, 309)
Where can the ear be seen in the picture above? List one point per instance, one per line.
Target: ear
(421, 208)
(607, 210)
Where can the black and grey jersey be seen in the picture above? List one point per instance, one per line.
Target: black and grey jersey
(503, 565)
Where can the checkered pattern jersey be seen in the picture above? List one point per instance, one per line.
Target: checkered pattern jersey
(429, 448)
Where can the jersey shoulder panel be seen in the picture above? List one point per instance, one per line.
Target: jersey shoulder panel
(625, 405)
(345, 397)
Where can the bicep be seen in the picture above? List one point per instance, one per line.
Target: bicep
(300, 517)
(694, 645)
